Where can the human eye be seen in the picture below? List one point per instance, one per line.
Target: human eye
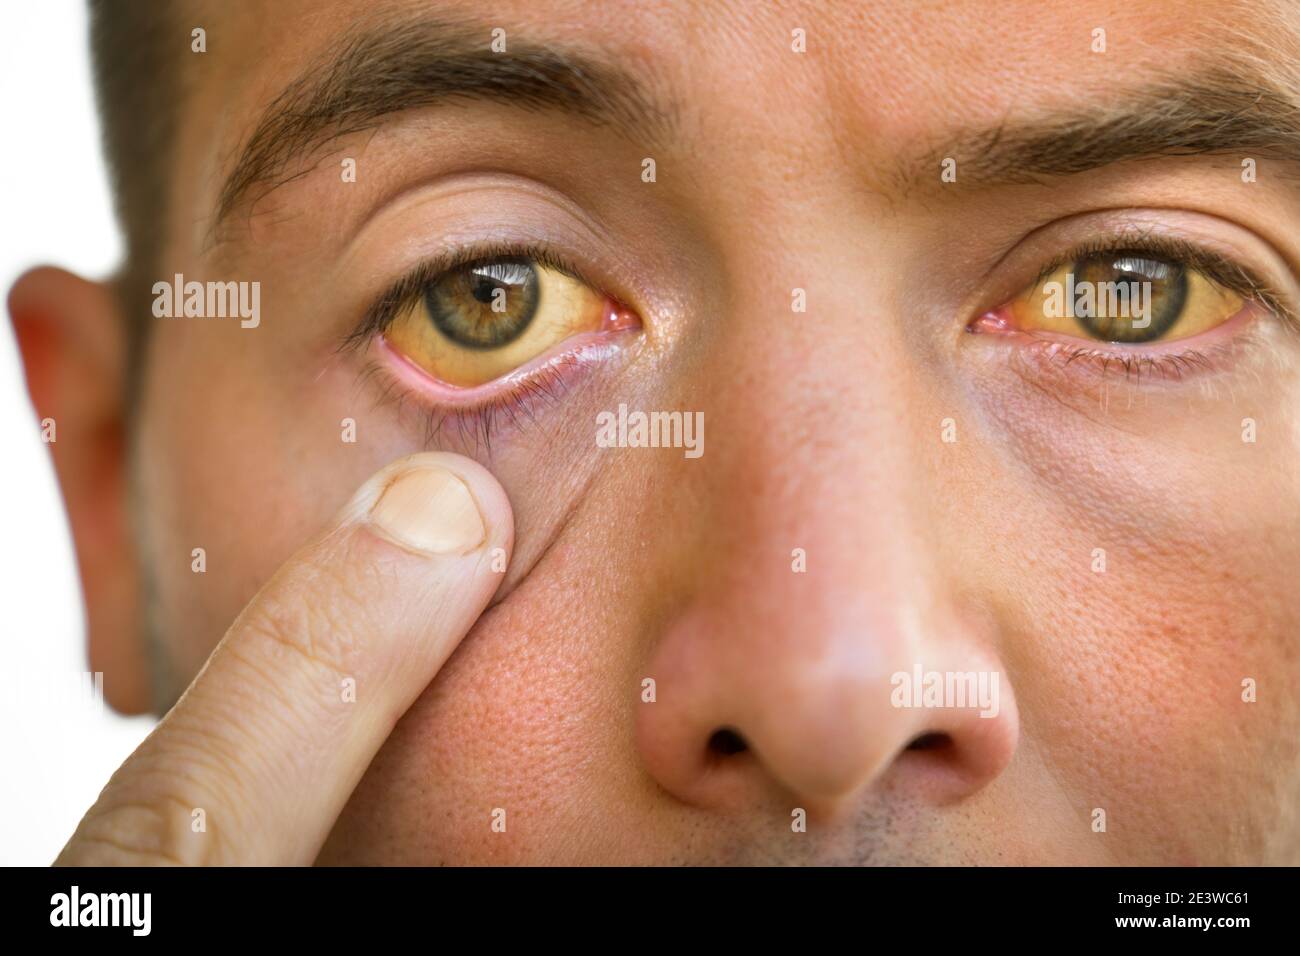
(1143, 304)
(1129, 296)
(478, 317)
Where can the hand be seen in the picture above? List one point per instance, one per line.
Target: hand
(267, 742)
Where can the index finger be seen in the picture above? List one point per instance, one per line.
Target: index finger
(273, 735)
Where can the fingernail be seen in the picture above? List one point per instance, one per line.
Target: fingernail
(430, 509)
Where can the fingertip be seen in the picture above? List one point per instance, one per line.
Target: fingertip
(438, 503)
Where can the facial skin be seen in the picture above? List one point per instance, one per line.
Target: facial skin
(1121, 689)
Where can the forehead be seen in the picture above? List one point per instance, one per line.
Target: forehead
(890, 63)
(792, 87)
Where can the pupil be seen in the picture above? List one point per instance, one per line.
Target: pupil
(482, 289)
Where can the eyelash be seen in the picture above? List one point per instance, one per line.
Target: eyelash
(407, 290)
(1211, 264)
(1170, 365)
(479, 421)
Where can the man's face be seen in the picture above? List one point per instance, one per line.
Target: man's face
(897, 474)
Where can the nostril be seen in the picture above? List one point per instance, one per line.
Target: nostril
(726, 742)
(930, 742)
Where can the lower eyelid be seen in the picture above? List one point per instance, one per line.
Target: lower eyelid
(1000, 322)
(1072, 360)
(577, 351)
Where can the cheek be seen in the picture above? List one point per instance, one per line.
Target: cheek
(1133, 674)
(1136, 696)
(532, 715)
(246, 467)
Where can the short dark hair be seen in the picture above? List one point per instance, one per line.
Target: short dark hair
(136, 48)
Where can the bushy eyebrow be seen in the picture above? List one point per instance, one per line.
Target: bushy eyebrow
(1211, 112)
(390, 66)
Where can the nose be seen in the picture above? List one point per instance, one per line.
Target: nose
(825, 644)
(753, 702)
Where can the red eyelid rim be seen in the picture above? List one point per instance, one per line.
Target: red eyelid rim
(999, 322)
(585, 347)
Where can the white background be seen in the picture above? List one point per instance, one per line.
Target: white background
(55, 755)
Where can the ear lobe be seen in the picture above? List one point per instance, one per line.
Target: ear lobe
(72, 340)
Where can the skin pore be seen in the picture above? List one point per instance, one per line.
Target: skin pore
(949, 481)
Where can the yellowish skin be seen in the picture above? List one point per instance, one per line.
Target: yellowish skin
(965, 546)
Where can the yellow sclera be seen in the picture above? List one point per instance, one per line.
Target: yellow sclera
(1050, 305)
(564, 307)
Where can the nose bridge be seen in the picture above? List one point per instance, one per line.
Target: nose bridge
(816, 468)
(819, 438)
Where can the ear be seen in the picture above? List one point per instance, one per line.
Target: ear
(73, 345)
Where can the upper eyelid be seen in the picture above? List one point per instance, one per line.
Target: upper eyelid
(525, 197)
(481, 210)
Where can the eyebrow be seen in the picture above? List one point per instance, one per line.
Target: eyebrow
(1213, 112)
(389, 67)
